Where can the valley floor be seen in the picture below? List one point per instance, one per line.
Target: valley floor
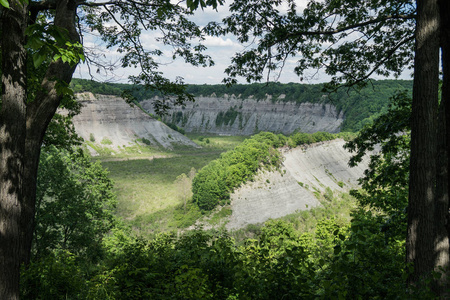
(154, 191)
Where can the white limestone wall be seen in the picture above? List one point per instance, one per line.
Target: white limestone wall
(253, 116)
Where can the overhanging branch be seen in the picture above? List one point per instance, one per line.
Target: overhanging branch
(349, 27)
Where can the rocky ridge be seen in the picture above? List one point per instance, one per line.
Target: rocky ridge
(231, 115)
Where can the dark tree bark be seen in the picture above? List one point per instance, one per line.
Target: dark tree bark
(39, 114)
(421, 242)
(22, 128)
(12, 145)
(444, 136)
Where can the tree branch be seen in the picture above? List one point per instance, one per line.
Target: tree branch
(343, 29)
(114, 2)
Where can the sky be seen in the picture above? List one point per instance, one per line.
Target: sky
(221, 49)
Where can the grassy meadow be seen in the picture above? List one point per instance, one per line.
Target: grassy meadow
(150, 197)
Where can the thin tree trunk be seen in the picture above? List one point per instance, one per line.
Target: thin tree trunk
(39, 114)
(420, 242)
(12, 145)
(442, 246)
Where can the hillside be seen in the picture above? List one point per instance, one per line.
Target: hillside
(111, 122)
(306, 171)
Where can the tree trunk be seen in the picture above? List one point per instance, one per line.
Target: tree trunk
(12, 145)
(444, 121)
(22, 128)
(442, 246)
(39, 114)
(420, 242)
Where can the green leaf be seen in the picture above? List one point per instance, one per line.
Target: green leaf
(35, 43)
(39, 57)
(4, 3)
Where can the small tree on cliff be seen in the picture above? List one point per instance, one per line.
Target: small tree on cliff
(41, 46)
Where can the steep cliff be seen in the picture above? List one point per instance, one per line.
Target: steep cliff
(230, 115)
(109, 120)
(305, 170)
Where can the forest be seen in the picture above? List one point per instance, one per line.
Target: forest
(61, 231)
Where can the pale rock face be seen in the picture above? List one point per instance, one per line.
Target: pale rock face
(110, 117)
(305, 170)
(230, 115)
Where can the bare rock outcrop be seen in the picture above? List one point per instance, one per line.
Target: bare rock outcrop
(305, 170)
(111, 119)
(230, 115)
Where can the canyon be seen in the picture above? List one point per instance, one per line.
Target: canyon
(306, 170)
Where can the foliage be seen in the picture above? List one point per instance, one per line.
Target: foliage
(226, 118)
(366, 38)
(386, 180)
(58, 275)
(282, 29)
(365, 264)
(336, 260)
(75, 203)
(106, 141)
(333, 260)
(48, 40)
(176, 128)
(213, 184)
(38, 74)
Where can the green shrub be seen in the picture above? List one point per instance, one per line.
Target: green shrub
(106, 141)
(175, 127)
(55, 276)
(215, 182)
(146, 141)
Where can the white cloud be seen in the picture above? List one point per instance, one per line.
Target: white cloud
(214, 41)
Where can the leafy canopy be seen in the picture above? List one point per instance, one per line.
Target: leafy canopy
(349, 40)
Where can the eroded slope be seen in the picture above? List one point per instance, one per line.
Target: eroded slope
(231, 115)
(305, 170)
(109, 119)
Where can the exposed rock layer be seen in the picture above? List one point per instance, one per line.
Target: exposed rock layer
(305, 170)
(111, 120)
(235, 116)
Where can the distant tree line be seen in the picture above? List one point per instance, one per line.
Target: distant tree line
(360, 107)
